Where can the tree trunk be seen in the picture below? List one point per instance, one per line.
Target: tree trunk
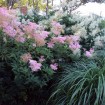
(47, 9)
(52, 2)
(33, 3)
(36, 5)
(10, 3)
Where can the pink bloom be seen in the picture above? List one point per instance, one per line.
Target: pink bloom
(74, 46)
(50, 44)
(34, 65)
(26, 57)
(33, 25)
(56, 32)
(75, 37)
(16, 23)
(20, 39)
(5, 24)
(54, 66)
(72, 39)
(91, 50)
(30, 28)
(88, 54)
(84, 49)
(59, 39)
(39, 41)
(44, 34)
(3, 11)
(56, 28)
(41, 59)
(10, 31)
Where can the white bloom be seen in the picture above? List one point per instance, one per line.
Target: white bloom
(95, 31)
(77, 52)
(93, 25)
(82, 32)
(28, 20)
(23, 21)
(75, 28)
(30, 12)
(98, 43)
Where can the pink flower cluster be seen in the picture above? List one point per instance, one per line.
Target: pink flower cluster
(26, 57)
(50, 44)
(36, 32)
(10, 31)
(71, 40)
(10, 25)
(57, 28)
(34, 65)
(21, 32)
(4, 16)
(16, 30)
(41, 59)
(74, 46)
(59, 39)
(89, 53)
(54, 66)
(30, 28)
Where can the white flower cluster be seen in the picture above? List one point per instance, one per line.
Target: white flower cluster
(70, 5)
(45, 23)
(85, 26)
(89, 26)
(23, 18)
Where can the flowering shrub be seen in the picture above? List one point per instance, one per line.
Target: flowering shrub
(34, 52)
(89, 29)
(33, 56)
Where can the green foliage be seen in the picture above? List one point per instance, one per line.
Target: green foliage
(62, 52)
(87, 43)
(21, 78)
(68, 22)
(2, 3)
(38, 4)
(35, 17)
(18, 84)
(44, 51)
(81, 84)
(16, 89)
(102, 24)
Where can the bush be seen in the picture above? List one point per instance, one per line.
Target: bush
(29, 58)
(32, 55)
(90, 29)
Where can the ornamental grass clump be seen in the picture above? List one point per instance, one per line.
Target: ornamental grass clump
(83, 85)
